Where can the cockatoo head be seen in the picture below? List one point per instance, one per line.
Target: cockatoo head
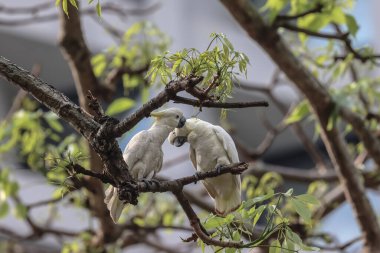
(179, 136)
(175, 140)
(172, 117)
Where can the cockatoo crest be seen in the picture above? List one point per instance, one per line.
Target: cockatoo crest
(171, 117)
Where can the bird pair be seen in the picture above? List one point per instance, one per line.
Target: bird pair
(210, 147)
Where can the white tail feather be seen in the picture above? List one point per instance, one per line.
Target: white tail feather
(114, 205)
(224, 206)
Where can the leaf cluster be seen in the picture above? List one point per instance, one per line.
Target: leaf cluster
(268, 210)
(219, 64)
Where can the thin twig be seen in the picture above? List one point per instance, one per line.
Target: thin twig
(193, 102)
(316, 9)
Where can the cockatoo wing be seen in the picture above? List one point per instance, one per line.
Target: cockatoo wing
(136, 148)
(209, 187)
(227, 142)
(227, 203)
(193, 157)
(137, 155)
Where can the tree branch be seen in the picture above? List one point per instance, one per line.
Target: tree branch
(167, 185)
(36, 18)
(316, 9)
(50, 97)
(294, 28)
(198, 228)
(207, 103)
(164, 96)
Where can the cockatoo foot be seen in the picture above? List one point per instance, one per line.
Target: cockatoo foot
(196, 175)
(218, 168)
(151, 182)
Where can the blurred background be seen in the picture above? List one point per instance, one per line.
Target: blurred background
(188, 24)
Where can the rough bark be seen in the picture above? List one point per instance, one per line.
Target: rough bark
(322, 103)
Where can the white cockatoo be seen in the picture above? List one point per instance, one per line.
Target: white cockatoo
(211, 147)
(144, 155)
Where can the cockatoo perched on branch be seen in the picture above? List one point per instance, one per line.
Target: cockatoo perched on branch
(144, 155)
(211, 147)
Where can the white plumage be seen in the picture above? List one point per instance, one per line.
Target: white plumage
(211, 146)
(144, 155)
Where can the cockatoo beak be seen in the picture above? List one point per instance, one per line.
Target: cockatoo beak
(181, 122)
(179, 141)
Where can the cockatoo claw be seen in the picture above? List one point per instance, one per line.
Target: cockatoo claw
(196, 175)
(151, 182)
(219, 168)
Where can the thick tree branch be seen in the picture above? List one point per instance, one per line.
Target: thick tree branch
(178, 184)
(167, 185)
(78, 56)
(322, 103)
(50, 97)
(171, 89)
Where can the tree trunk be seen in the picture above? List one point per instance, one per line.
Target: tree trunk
(77, 55)
(322, 103)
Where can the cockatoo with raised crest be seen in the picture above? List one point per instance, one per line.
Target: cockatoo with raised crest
(211, 147)
(144, 155)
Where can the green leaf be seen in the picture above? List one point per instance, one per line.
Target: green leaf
(74, 3)
(314, 22)
(333, 118)
(288, 246)
(20, 211)
(258, 212)
(52, 120)
(57, 2)
(293, 237)
(4, 174)
(251, 202)
(228, 43)
(216, 221)
(289, 192)
(99, 9)
(274, 7)
(301, 209)
(308, 198)
(131, 81)
(338, 16)
(352, 25)
(119, 105)
(275, 247)
(168, 219)
(139, 221)
(309, 248)
(64, 7)
(236, 235)
(11, 188)
(299, 112)
(230, 250)
(4, 208)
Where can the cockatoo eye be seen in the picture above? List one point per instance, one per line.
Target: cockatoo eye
(177, 117)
